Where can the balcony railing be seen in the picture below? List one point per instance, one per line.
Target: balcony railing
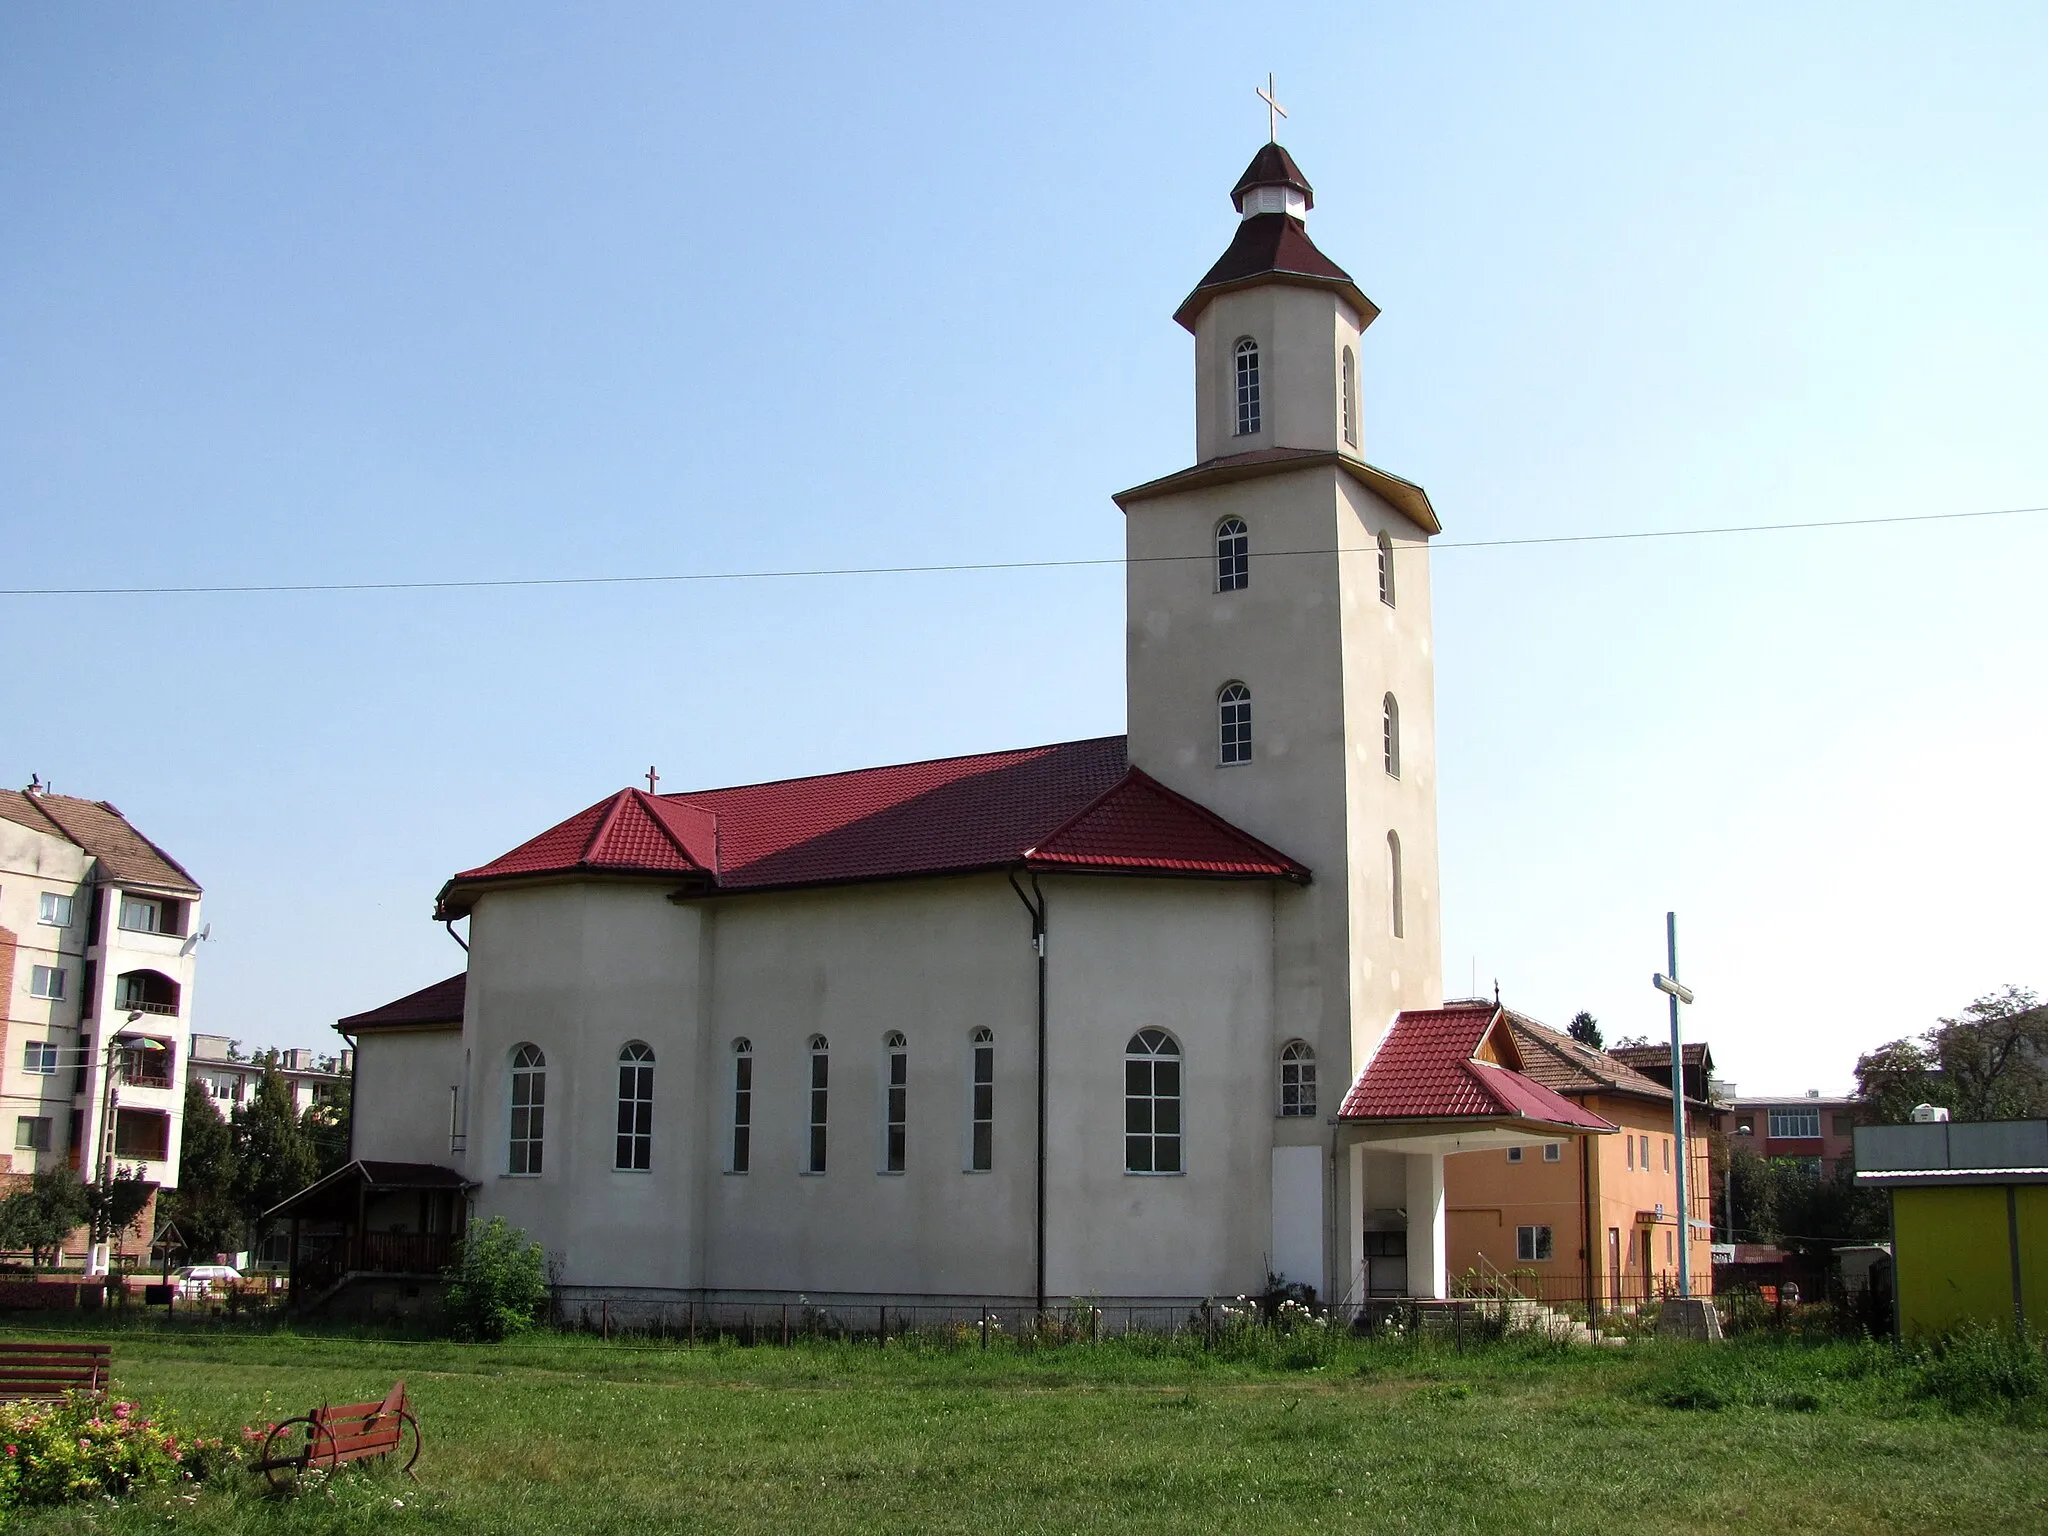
(404, 1253)
(145, 1080)
(137, 1005)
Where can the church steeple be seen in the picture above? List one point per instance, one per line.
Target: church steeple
(1272, 183)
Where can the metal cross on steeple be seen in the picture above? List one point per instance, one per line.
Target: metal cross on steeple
(653, 778)
(1274, 111)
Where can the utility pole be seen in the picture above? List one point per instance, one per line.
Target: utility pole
(1668, 984)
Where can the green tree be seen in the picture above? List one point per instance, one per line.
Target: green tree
(1991, 1063)
(326, 1127)
(1585, 1029)
(498, 1283)
(1785, 1201)
(273, 1158)
(41, 1216)
(208, 1211)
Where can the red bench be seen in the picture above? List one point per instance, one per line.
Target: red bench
(51, 1372)
(335, 1436)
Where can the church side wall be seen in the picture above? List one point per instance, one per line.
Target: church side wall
(579, 971)
(400, 1106)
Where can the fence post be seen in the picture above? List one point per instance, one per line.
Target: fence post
(984, 1327)
(882, 1325)
(693, 1322)
(605, 1323)
(1458, 1324)
(785, 1325)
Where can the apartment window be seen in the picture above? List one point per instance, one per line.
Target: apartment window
(32, 1133)
(1794, 1123)
(529, 1109)
(1233, 555)
(1247, 386)
(55, 910)
(1390, 735)
(1297, 1079)
(142, 1134)
(46, 981)
(1644, 1152)
(1666, 1145)
(1629, 1144)
(1152, 1103)
(895, 1100)
(1234, 725)
(1845, 1125)
(742, 1103)
(821, 1067)
(1532, 1244)
(1553, 1151)
(1670, 1240)
(140, 914)
(636, 1108)
(40, 1057)
(1347, 389)
(1386, 547)
(981, 1147)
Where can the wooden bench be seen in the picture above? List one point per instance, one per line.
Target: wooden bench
(40, 1372)
(335, 1436)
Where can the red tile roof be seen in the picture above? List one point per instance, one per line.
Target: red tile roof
(124, 855)
(1275, 246)
(1428, 1068)
(1073, 805)
(439, 1004)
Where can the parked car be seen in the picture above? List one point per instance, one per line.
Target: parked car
(200, 1279)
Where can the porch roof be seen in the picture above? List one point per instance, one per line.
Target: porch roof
(335, 1198)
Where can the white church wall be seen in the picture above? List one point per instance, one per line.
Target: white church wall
(1299, 1215)
(1192, 958)
(579, 970)
(1301, 333)
(400, 1105)
(934, 959)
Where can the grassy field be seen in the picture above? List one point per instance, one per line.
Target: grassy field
(568, 1434)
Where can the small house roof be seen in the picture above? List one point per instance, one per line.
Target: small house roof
(439, 1004)
(1459, 1062)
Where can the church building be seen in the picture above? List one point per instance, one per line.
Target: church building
(1149, 1017)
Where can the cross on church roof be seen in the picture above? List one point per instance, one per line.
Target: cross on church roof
(1274, 111)
(653, 778)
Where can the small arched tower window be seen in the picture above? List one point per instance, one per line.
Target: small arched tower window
(1394, 883)
(1152, 1103)
(1247, 386)
(1234, 725)
(529, 1109)
(821, 1070)
(981, 1108)
(1297, 1079)
(742, 1103)
(1386, 543)
(895, 1100)
(1233, 555)
(636, 1108)
(1347, 389)
(1390, 736)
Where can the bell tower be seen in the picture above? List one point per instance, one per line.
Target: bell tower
(1278, 658)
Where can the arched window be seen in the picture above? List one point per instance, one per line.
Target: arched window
(1386, 543)
(1152, 1103)
(636, 1108)
(895, 1100)
(1234, 724)
(1233, 555)
(981, 1109)
(1347, 388)
(821, 1065)
(1297, 1078)
(1394, 882)
(1247, 386)
(529, 1109)
(742, 1103)
(1390, 736)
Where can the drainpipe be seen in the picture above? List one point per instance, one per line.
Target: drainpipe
(355, 1065)
(1035, 905)
(449, 924)
(1586, 1220)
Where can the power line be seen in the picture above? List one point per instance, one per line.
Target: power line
(962, 567)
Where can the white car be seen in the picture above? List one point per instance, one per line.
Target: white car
(199, 1279)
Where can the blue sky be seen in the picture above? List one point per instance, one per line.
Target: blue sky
(391, 291)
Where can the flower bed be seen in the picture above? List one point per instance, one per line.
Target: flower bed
(87, 1447)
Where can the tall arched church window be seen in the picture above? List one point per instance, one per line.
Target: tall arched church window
(981, 1108)
(635, 1152)
(821, 1070)
(742, 1104)
(1234, 724)
(1386, 543)
(529, 1109)
(1394, 882)
(1297, 1079)
(1347, 388)
(1390, 736)
(1233, 555)
(895, 1100)
(1152, 1126)
(1247, 386)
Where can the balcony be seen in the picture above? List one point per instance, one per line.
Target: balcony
(144, 1005)
(146, 992)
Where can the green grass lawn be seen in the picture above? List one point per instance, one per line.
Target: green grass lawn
(569, 1434)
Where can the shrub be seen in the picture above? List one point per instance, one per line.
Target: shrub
(1977, 1369)
(87, 1448)
(498, 1284)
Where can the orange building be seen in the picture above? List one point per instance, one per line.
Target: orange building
(1588, 1216)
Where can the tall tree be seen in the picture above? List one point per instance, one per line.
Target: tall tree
(1991, 1063)
(205, 1205)
(1585, 1029)
(274, 1159)
(326, 1126)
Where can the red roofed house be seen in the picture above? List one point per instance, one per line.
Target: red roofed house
(1025, 1024)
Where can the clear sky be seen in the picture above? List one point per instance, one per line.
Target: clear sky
(393, 291)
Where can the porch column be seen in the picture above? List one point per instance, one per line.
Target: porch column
(1351, 1211)
(1426, 1246)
